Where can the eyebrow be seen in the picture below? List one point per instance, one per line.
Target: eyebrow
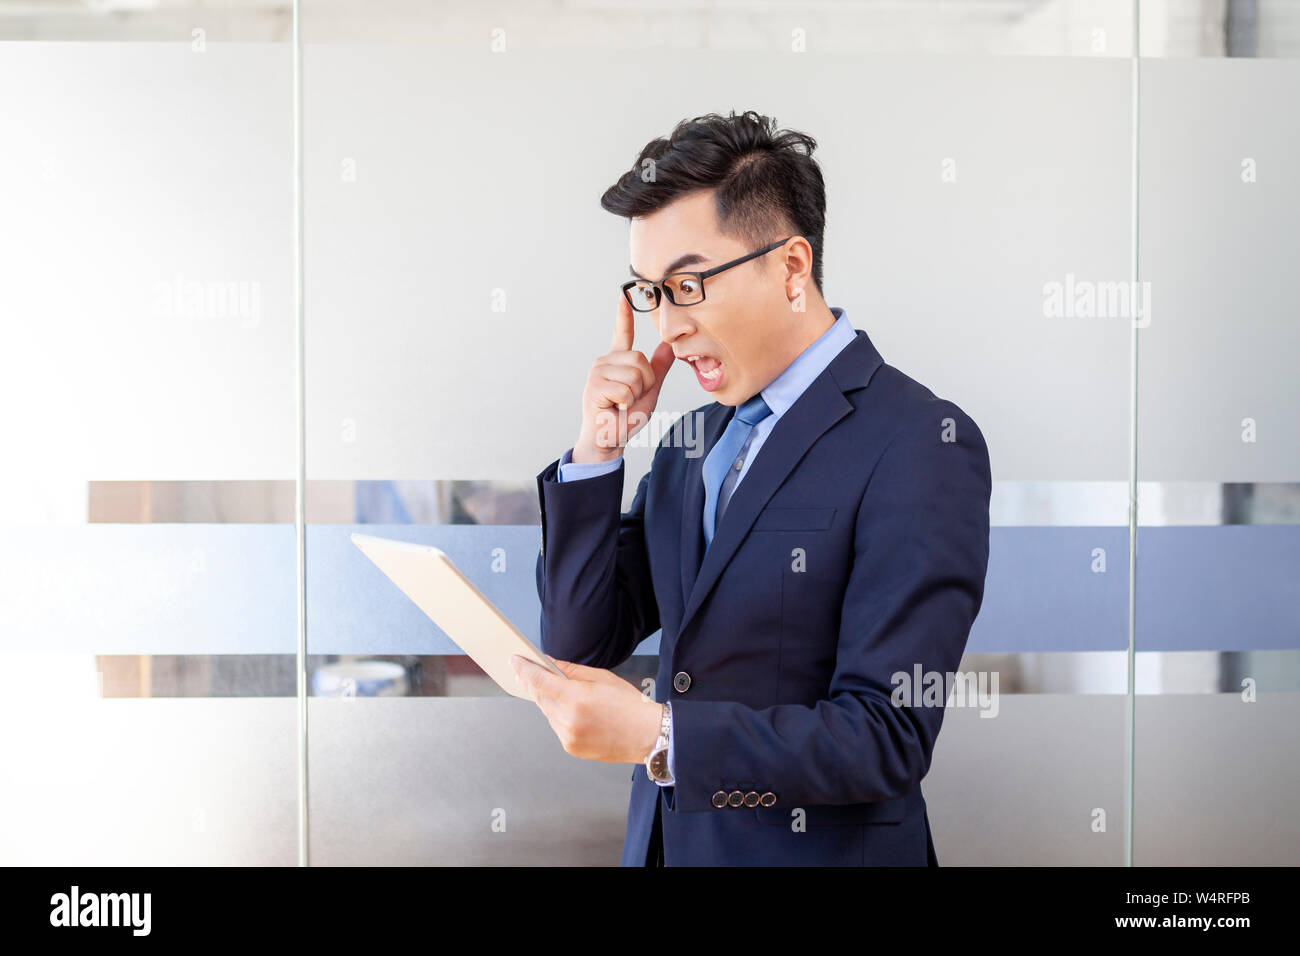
(690, 259)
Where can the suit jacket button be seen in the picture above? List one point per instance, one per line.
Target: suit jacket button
(767, 799)
(735, 798)
(751, 799)
(681, 682)
(720, 798)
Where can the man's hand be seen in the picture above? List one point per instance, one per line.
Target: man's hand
(622, 390)
(596, 714)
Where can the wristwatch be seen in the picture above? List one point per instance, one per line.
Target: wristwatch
(656, 764)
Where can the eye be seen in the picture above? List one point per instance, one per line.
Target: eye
(643, 295)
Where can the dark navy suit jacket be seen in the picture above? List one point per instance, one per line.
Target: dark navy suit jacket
(854, 550)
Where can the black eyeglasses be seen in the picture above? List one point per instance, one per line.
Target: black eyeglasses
(682, 288)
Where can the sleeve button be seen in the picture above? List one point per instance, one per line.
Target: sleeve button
(720, 798)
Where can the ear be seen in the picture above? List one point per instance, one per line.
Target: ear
(798, 270)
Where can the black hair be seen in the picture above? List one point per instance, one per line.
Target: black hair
(768, 185)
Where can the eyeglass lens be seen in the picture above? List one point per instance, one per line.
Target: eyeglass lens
(681, 289)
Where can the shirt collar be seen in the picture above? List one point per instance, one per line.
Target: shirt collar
(786, 388)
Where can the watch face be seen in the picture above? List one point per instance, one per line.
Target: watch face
(659, 764)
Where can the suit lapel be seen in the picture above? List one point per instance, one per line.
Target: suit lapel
(692, 530)
(816, 410)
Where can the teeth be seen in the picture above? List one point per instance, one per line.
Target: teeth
(709, 376)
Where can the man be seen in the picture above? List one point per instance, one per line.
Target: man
(830, 542)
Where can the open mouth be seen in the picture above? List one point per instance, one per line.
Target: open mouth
(707, 369)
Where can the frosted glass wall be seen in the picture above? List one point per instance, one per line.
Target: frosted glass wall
(985, 203)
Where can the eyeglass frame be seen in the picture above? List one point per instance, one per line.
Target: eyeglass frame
(661, 291)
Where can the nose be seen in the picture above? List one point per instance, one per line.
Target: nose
(673, 321)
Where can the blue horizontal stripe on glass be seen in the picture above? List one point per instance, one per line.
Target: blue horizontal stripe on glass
(1043, 594)
(149, 589)
(1222, 587)
(1219, 588)
(230, 589)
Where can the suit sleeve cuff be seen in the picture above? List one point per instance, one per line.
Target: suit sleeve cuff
(576, 471)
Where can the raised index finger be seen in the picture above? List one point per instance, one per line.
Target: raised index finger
(624, 326)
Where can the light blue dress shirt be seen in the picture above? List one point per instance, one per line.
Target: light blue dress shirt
(780, 395)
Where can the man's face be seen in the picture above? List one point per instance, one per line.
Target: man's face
(744, 328)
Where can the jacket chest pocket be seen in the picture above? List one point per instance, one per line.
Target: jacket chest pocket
(794, 537)
(793, 519)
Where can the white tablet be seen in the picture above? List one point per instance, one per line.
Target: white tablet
(429, 578)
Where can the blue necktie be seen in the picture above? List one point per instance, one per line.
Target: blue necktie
(722, 461)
